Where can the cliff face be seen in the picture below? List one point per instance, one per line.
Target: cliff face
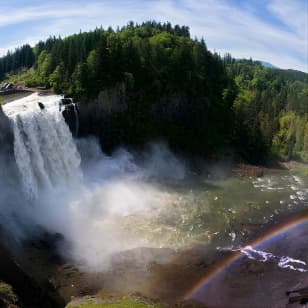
(6, 134)
(8, 171)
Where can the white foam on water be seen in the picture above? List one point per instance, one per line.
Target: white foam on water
(263, 256)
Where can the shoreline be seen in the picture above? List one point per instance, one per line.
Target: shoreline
(248, 170)
(190, 266)
(10, 96)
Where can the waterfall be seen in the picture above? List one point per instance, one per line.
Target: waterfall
(45, 153)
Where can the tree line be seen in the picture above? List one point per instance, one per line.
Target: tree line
(22, 57)
(271, 110)
(175, 89)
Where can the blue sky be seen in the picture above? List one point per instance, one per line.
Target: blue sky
(275, 31)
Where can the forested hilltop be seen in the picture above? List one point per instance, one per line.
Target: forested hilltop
(171, 87)
(271, 110)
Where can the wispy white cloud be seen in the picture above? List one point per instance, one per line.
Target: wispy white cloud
(225, 27)
(291, 13)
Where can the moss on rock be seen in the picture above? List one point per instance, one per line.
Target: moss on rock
(8, 298)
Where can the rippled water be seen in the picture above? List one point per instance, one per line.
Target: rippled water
(219, 210)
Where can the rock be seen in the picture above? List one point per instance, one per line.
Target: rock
(66, 101)
(6, 133)
(71, 116)
(190, 304)
(30, 293)
(41, 105)
(301, 296)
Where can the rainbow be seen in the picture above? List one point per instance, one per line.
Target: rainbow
(220, 267)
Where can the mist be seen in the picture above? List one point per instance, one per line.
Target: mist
(53, 183)
(89, 212)
(113, 188)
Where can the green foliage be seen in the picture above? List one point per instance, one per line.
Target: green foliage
(79, 80)
(7, 295)
(290, 141)
(22, 57)
(117, 304)
(271, 111)
(300, 171)
(57, 78)
(45, 67)
(174, 89)
(28, 77)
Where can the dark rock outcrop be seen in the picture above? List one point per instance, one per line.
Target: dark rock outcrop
(30, 293)
(41, 105)
(71, 115)
(8, 171)
(6, 134)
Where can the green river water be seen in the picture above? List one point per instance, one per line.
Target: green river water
(219, 210)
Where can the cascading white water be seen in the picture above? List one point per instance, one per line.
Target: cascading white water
(96, 214)
(45, 153)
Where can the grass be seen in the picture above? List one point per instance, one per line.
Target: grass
(7, 294)
(300, 171)
(117, 304)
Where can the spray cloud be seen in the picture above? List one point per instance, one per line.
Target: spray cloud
(76, 190)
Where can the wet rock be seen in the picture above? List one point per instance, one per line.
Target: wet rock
(298, 296)
(71, 116)
(66, 101)
(41, 105)
(30, 293)
(6, 133)
(190, 304)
